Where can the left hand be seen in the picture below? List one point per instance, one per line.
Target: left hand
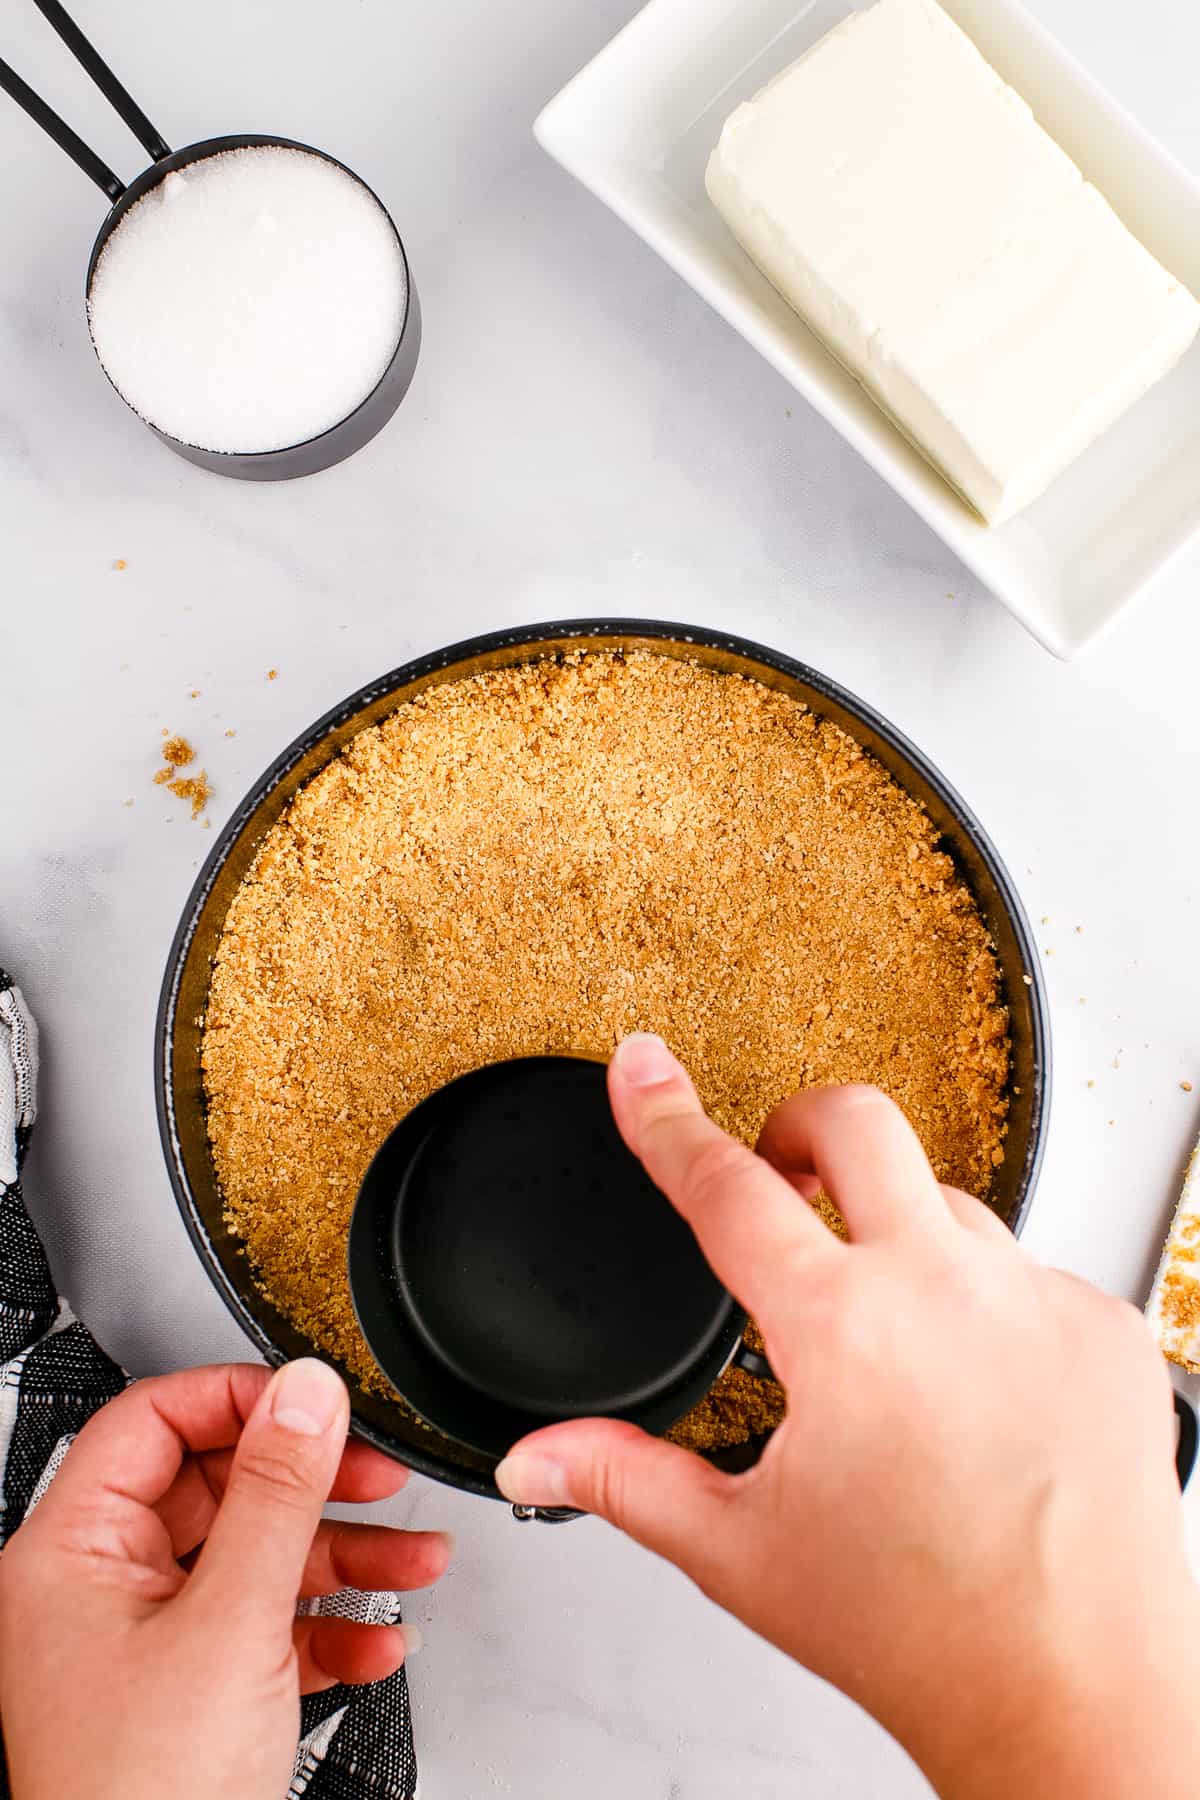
(148, 1638)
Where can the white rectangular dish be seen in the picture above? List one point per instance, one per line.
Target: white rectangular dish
(636, 126)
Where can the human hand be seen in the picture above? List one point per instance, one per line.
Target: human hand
(969, 1520)
(148, 1638)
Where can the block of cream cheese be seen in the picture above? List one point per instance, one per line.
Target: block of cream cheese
(904, 200)
(1173, 1309)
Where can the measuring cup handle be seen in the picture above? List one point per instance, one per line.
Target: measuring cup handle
(118, 96)
(60, 133)
(1187, 1440)
(114, 91)
(753, 1363)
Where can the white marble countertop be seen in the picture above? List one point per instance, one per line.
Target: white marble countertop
(583, 437)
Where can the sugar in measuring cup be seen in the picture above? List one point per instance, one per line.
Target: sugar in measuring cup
(249, 297)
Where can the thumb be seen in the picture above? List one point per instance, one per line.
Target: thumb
(666, 1498)
(282, 1470)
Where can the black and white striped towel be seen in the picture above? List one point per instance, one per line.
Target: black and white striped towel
(356, 1743)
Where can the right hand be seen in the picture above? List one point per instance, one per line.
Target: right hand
(969, 1520)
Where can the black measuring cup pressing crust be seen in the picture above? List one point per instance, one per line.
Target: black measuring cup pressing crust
(328, 447)
(512, 1264)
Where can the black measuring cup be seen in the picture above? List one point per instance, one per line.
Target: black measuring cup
(328, 447)
(512, 1264)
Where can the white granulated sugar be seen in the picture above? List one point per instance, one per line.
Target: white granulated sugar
(250, 301)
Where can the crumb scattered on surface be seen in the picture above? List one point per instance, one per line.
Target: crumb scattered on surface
(195, 789)
(1186, 1086)
(1091, 1084)
(231, 734)
(542, 859)
(120, 563)
(127, 803)
(177, 754)
(272, 674)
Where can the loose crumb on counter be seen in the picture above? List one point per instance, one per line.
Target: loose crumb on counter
(194, 788)
(1186, 1086)
(177, 754)
(543, 858)
(120, 563)
(272, 674)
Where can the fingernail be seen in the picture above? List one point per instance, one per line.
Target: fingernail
(643, 1060)
(532, 1481)
(307, 1397)
(412, 1639)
